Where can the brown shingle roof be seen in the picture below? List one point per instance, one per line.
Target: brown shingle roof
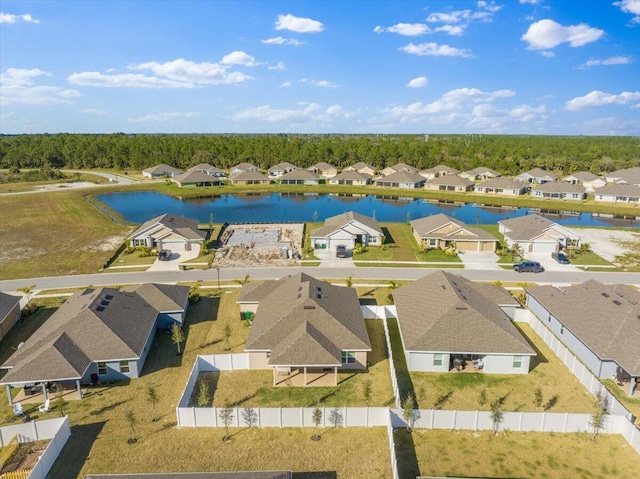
(606, 318)
(444, 312)
(332, 315)
(425, 227)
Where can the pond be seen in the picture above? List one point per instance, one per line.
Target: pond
(140, 206)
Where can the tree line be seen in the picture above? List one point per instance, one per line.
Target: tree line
(509, 154)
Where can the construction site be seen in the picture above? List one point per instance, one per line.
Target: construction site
(259, 244)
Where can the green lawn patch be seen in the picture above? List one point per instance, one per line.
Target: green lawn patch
(632, 404)
(441, 453)
(133, 259)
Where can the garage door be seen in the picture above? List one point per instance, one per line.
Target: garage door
(466, 246)
(543, 247)
(174, 245)
(488, 246)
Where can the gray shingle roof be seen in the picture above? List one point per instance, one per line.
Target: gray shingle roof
(618, 190)
(249, 176)
(560, 187)
(305, 321)
(503, 183)
(92, 325)
(352, 175)
(359, 166)
(606, 318)
(482, 170)
(195, 177)
(538, 173)
(185, 227)
(206, 167)
(7, 303)
(441, 169)
(526, 227)
(162, 168)
(334, 223)
(401, 177)
(443, 312)
(427, 225)
(453, 180)
(582, 176)
(299, 174)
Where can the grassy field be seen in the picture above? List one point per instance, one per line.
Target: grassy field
(32, 185)
(562, 392)
(254, 388)
(514, 454)
(53, 234)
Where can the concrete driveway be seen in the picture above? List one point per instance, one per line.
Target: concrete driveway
(174, 261)
(482, 260)
(550, 264)
(328, 258)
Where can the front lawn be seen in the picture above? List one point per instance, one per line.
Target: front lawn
(439, 453)
(254, 388)
(561, 391)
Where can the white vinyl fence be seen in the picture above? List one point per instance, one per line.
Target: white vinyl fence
(57, 430)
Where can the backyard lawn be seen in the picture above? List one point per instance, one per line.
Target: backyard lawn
(561, 391)
(443, 453)
(632, 404)
(255, 388)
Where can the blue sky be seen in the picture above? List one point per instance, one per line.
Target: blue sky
(487, 67)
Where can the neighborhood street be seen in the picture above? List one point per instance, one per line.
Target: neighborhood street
(335, 273)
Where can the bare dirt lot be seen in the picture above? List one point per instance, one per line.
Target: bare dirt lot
(259, 245)
(612, 245)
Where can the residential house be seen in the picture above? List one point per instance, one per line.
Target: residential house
(587, 179)
(398, 168)
(441, 232)
(599, 322)
(323, 169)
(9, 312)
(439, 170)
(97, 334)
(501, 186)
(167, 231)
(361, 167)
(208, 169)
(559, 190)
(536, 176)
(249, 178)
(351, 178)
(304, 329)
(160, 171)
(450, 183)
(348, 229)
(629, 176)
(281, 169)
(618, 194)
(401, 179)
(196, 179)
(537, 234)
(482, 173)
(299, 177)
(242, 167)
(445, 320)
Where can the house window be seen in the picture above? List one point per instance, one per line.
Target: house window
(517, 362)
(437, 359)
(102, 369)
(348, 357)
(432, 241)
(561, 329)
(124, 367)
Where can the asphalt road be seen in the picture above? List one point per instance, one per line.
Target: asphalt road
(103, 279)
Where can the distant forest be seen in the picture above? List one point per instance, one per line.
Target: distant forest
(505, 153)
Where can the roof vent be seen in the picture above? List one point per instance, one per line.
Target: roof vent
(108, 297)
(605, 295)
(442, 286)
(319, 296)
(461, 308)
(616, 302)
(100, 308)
(299, 295)
(309, 306)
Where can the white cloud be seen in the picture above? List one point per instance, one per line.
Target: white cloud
(307, 113)
(11, 18)
(599, 98)
(298, 24)
(630, 6)
(419, 82)
(435, 50)
(320, 83)
(532, 2)
(94, 111)
(548, 54)
(608, 61)
(405, 29)
(489, 6)
(282, 41)
(19, 87)
(239, 58)
(286, 84)
(484, 13)
(546, 34)
(178, 73)
(454, 30)
(278, 66)
(162, 117)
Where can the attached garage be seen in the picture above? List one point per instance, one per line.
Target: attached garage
(542, 247)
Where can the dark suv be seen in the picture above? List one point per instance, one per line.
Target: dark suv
(528, 267)
(341, 251)
(560, 258)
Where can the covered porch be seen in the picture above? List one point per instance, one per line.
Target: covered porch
(630, 384)
(466, 363)
(303, 376)
(33, 392)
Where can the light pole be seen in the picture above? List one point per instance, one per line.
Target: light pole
(218, 270)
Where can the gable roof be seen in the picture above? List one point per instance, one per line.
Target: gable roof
(305, 321)
(195, 177)
(502, 183)
(560, 187)
(352, 175)
(453, 180)
(606, 318)
(426, 227)
(359, 166)
(322, 166)
(283, 165)
(7, 303)
(162, 168)
(244, 166)
(582, 176)
(185, 227)
(400, 167)
(444, 312)
(248, 176)
(300, 174)
(537, 173)
(618, 190)
(527, 227)
(205, 167)
(441, 169)
(92, 325)
(482, 170)
(401, 177)
(335, 223)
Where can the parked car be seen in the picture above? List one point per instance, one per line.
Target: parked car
(528, 267)
(341, 251)
(164, 254)
(560, 258)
